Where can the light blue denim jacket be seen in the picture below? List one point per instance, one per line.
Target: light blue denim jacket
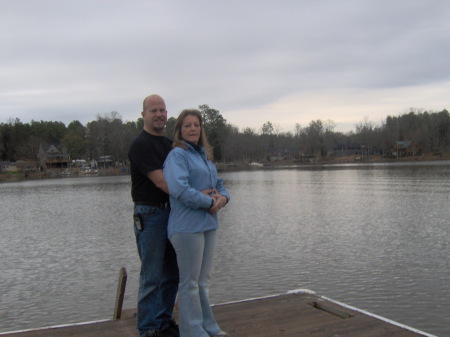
(187, 172)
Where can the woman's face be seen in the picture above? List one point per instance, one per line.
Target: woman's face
(190, 129)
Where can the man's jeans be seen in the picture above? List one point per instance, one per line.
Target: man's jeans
(195, 260)
(158, 283)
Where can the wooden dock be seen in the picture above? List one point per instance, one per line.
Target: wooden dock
(294, 314)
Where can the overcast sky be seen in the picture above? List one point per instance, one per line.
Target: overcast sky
(255, 61)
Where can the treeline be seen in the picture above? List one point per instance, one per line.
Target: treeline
(109, 135)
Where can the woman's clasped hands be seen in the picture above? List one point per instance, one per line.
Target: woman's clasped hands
(219, 201)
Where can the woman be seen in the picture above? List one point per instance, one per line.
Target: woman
(196, 194)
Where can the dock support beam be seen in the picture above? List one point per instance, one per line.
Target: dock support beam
(120, 293)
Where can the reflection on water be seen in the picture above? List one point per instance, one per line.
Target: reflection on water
(375, 237)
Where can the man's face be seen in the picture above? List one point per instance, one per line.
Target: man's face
(155, 115)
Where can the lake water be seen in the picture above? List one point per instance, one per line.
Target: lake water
(372, 236)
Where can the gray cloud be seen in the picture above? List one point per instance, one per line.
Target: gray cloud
(73, 60)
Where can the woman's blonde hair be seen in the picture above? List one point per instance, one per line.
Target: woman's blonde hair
(203, 141)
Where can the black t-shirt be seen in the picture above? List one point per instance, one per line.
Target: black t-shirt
(147, 153)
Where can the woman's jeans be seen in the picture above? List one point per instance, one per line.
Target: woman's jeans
(195, 259)
(158, 283)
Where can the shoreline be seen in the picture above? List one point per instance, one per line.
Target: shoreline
(223, 166)
(337, 161)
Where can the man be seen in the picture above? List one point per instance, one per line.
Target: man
(158, 284)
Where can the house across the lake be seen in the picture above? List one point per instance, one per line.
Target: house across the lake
(54, 159)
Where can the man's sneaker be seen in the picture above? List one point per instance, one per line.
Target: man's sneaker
(221, 333)
(172, 329)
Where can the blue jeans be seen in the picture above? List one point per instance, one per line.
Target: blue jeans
(195, 260)
(158, 282)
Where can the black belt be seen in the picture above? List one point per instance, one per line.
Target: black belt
(153, 204)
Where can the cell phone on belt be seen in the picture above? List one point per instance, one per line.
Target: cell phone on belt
(138, 222)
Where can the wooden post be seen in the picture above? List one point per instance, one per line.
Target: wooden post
(120, 293)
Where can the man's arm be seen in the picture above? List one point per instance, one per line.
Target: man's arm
(156, 176)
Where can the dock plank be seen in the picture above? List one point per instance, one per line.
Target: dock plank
(286, 315)
(295, 315)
